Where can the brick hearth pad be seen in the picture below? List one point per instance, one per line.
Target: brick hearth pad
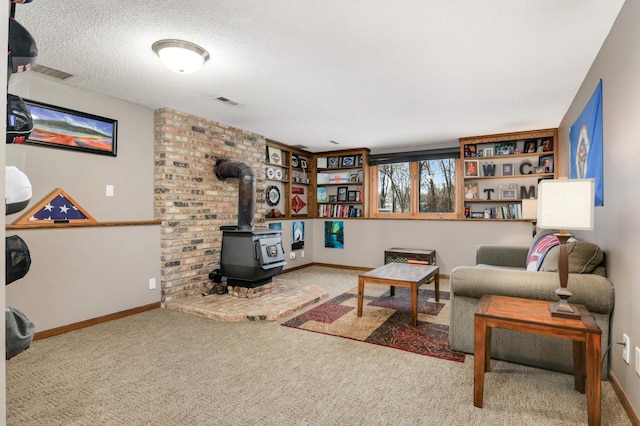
(286, 298)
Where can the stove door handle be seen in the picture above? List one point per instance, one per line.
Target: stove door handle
(256, 250)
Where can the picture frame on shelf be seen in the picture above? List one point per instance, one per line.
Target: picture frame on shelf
(303, 163)
(321, 162)
(546, 161)
(333, 162)
(505, 148)
(359, 159)
(352, 195)
(54, 126)
(471, 191)
(347, 161)
(471, 168)
(471, 150)
(353, 178)
(546, 144)
(539, 170)
(342, 193)
(530, 146)
(275, 156)
(321, 195)
(333, 198)
(487, 152)
(509, 191)
(476, 215)
(507, 169)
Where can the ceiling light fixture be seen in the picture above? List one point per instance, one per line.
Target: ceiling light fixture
(180, 56)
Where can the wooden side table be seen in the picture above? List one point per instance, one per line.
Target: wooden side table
(533, 316)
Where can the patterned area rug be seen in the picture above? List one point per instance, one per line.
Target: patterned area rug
(385, 320)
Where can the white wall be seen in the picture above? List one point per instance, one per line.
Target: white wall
(617, 229)
(454, 241)
(83, 273)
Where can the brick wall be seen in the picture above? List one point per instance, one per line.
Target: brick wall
(191, 202)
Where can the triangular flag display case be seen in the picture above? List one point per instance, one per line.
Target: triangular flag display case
(57, 207)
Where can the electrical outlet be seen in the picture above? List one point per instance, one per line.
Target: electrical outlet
(638, 361)
(292, 255)
(627, 348)
(152, 284)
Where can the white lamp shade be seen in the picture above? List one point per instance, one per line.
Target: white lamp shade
(529, 208)
(566, 204)
(180, 56)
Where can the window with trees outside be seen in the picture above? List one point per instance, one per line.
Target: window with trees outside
(421, 184)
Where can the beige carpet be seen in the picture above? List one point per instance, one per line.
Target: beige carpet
(169, 368)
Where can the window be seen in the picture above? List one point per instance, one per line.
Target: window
(415, 184)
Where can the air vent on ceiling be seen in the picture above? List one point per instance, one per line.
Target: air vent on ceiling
(227, 100)
(335, 142)
(52, 72)
(300, 147)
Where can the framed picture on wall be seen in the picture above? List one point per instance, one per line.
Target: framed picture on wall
(58, 127)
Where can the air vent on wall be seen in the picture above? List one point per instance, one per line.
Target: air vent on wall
(52, 72)
(227, 100)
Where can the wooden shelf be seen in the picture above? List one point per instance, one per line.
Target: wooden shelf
(79, 224)
(550, 175)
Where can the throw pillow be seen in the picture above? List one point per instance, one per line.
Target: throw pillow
(539, 249)
(583, 258)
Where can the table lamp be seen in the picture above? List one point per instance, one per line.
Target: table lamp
(565, 204)
(530, 211)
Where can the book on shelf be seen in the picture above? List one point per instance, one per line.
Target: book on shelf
(339, 210)
(507, 211)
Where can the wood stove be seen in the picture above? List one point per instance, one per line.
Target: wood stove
(250, 258)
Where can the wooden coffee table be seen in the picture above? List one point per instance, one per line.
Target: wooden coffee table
(534, 316)
(401, 275)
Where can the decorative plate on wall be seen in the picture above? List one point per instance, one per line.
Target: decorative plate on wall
(278, 174)
(273, 195)
(271, 173)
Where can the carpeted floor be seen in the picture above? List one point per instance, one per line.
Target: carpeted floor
(385, 321)
(164, 367)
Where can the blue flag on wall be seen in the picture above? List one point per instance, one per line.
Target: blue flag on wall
(585, 138)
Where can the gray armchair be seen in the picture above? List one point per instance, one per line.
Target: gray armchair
(502, 270)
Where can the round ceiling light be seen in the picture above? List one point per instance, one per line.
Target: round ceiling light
(180, 56)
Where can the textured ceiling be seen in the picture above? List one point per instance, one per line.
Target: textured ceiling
(382, 74)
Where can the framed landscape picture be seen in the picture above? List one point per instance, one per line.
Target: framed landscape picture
(58, 127)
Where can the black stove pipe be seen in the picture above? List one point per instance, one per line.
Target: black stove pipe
(246, 190)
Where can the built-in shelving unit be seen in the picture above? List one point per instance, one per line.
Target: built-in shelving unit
(341, 178)
(287, 182)
(500, 170)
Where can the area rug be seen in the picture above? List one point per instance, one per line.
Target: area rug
(385, 321)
